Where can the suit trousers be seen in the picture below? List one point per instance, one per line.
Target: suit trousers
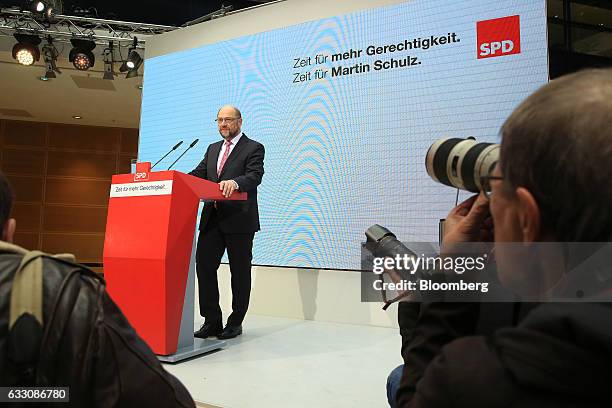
(212, 243)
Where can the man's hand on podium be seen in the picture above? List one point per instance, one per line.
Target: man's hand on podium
(228, 187)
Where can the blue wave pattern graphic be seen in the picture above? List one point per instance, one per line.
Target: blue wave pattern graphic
(346, 152)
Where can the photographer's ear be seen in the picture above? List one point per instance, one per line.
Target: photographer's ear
(528, 213)
(8, 232)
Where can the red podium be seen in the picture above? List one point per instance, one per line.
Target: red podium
(149, 255)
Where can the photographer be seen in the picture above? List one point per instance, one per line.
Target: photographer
(551, 184)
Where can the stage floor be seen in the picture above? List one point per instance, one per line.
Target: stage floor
(279, 362)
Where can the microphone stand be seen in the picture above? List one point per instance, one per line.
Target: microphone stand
(186, 150)
(171, 150)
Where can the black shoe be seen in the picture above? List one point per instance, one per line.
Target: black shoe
(208, 329)
(230, 332)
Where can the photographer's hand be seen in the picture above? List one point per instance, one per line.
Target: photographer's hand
(470, 221)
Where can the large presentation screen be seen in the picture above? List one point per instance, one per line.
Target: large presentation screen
(346, 108)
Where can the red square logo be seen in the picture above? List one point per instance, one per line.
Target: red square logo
(497, 37)
(141, 176)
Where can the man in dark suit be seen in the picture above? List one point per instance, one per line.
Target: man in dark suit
(237, 164)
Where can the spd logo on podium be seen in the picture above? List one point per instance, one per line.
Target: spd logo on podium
(141, 176)
(498, 37)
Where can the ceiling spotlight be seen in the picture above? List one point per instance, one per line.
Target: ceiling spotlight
(133, 62)
(50, 55)
(47, 8)
(82, 61)
(25, 56)
(109, 61)
(26, 50)
(39, 6)
(80, 55)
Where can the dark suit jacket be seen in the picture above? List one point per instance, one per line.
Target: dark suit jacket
(245, 165)
(558, 356)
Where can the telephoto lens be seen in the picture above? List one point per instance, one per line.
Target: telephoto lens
(386, 243)
(382, 243)
(461, 163)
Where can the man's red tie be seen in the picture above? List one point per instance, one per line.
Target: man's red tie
(224, 158)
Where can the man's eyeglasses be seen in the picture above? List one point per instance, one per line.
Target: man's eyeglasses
(485, 184)
(226, 120)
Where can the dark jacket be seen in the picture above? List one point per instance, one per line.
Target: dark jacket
(245, 165)
(558, 356)
(88, 344)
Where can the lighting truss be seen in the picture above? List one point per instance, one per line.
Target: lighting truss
(63, 28)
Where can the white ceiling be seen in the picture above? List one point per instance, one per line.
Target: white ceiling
(114, 103)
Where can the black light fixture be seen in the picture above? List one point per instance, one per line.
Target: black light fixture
(26, 50)
(80, 55)
(46, 8)
(109, 60)
(133, 61)
(50, 55)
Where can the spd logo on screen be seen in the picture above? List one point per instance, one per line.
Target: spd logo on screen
(497, 37)
(141, 176)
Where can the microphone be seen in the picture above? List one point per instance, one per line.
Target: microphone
(171, 150)
(186, 150)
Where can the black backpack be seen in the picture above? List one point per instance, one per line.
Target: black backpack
(59, 327)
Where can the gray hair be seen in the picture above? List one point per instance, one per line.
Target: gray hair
(558, 145)
(236, 110)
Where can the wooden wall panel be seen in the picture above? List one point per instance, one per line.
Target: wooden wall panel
(82, 164)
(25, 188)
(27, 216)
(84, 137)
(27, 240)
(74, 191)
(20, 161)
(24, 134)
(74, 219)
(61, 177)
(98, 270)
(129, 141)
(86, 247)
(125, 165)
